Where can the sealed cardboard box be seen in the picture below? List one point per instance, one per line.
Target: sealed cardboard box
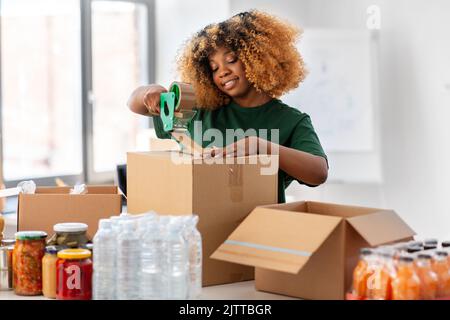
(51, 205)
(309, 249)
(222, 195)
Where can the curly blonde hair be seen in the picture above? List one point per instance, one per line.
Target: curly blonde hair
(264, 44)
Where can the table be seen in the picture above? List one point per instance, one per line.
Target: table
(235, 291)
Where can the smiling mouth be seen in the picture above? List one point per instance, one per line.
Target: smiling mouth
(230, 83)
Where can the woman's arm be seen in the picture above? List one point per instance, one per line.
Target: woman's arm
(145, 99)
(303, 166)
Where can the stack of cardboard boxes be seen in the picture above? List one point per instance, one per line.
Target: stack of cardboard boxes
(302, 249)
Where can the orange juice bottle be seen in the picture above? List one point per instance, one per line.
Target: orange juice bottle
(428, 278)
(362, 271)
(440, 266)
(379, 282)
(406, 284)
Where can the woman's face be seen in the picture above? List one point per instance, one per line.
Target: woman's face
(229, 73)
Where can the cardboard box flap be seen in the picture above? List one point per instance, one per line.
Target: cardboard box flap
(66, 190)
(381, 227)
(276, 239)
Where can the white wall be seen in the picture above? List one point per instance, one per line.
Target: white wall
(176, 21)
(414, 97)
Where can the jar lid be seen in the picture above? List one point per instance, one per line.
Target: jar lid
(30, 235)
(74, 254)
(51, 249)
(8, 242)
(70, 227)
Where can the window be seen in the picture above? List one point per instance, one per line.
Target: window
(40, 85)
(119, 60)
(67, 69)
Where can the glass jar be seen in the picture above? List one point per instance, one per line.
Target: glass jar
(6, 268)
(49, 272)
(8, 246)
(27, 262)
(74, 275)
(69, 235)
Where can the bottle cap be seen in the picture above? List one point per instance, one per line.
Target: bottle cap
(430, 241)
(405, 258)
(365, 251)
(416, 243)
(412, 249)
(51, 249)
(424, 256)
(445, 244)
(441, 253)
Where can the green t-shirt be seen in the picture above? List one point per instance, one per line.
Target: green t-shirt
(295, 129)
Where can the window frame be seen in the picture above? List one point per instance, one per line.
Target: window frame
(88, 175)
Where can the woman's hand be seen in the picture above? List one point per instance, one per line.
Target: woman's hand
(309, 168)
(151, 98)
(244, 147)
(145, 99)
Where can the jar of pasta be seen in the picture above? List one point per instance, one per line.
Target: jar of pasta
(74, 275)
(27, 262)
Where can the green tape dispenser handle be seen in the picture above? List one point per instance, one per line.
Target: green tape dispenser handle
(167, 106)
(173, 115)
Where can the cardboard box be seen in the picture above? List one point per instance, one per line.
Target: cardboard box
(222, 195)
(52, 205)
(309, 249)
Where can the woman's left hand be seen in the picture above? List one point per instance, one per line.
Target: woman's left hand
(244, 147)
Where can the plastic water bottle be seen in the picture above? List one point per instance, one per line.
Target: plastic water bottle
(177, 261)
(152, 254)
(128, 262)
(116, 224)
(194, 239)
(104, 262)
(142, 222)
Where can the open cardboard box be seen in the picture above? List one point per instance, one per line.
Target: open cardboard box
(309, 249)
(222, 195)
(51, 205)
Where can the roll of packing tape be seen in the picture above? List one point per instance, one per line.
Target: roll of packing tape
(184, 96)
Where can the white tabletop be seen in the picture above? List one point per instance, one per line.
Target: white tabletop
(235, 291)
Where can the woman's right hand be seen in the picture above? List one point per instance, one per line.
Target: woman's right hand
(151, 98)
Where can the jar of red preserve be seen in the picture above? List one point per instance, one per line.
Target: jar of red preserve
(74, 275)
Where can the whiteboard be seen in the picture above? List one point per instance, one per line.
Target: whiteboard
(337, 92)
